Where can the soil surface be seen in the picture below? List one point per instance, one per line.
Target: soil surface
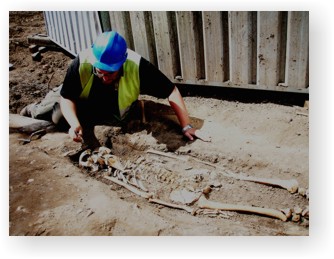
(49, 194)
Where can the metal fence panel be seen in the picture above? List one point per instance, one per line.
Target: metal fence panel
(253, 50)
(72, 30)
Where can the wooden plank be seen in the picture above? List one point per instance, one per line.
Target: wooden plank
(163, 41)
(187, 47)
(268, 48)
(297, 50)
(141, 35)
(241, 41)
(214, 43)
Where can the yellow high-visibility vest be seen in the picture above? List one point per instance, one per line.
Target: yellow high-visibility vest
(129, 83)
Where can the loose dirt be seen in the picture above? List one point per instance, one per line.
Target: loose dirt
(50, 195)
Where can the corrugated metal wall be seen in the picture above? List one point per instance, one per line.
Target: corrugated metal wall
(74, 31)
(255, 50)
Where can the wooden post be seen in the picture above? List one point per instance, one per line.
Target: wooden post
(297, 50)
(187, 45)
(268, 50)
(165, 46)
(143, 37)
(215, 42)
(242, 42)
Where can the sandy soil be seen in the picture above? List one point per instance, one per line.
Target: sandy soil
(51, 195)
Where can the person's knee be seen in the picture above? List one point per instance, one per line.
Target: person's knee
(58, 119)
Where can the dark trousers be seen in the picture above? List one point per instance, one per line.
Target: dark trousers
(89, 120)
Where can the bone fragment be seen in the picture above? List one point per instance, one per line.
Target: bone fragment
(130, 187)
(113, 161)
(151, 151)
(302, 191)
(104, 150)
(85, 155)
(287, 212)
(290, 185)
(203, 203)
(141, 185)
(173, 205)
(297, 210)
(295, 217)
(306, 213)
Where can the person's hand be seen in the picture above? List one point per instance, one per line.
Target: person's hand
(76, 133)
(200, 134)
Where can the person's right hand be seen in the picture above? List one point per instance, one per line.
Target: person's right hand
(76, 133)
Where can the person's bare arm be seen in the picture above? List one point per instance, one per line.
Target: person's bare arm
(68, 109)
(177, 103)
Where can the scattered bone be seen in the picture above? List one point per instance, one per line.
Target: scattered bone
(206, 204)
(122, 177)
(172, 205)
(302, 191)
(114, 162)
(140, 160)
(97, 158)
(104, 150)
(141, 185)
(295, 217)
(290, 185)
(306, 213)
(83, 159)
(287, 212)
(151, 151)
(184, 196)
(130, 187)
(297, 210)
(214, 213)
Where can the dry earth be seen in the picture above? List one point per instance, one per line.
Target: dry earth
(50, 195)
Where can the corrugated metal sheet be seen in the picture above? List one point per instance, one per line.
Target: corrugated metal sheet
(74, 31)
(254, 50)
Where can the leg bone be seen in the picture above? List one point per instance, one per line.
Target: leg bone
(203, 203)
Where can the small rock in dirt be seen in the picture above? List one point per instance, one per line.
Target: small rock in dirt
(30, 180)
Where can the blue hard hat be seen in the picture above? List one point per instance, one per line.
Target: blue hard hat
(109, 51)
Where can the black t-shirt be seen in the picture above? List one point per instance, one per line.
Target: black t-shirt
(103, 99)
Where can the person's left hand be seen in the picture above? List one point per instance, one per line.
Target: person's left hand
(200, 134)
